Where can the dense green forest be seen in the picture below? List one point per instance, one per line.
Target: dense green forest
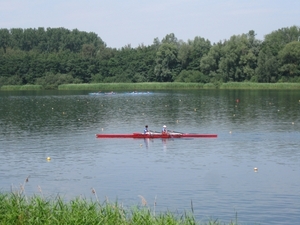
(55, 56)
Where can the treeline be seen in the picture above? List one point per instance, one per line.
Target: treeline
(55, 56)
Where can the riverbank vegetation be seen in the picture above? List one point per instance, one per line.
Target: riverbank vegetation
(150, 86)
(53, 57)
(16, 208)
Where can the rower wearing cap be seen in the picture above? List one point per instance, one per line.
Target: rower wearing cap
(164, 130)
(146, 131)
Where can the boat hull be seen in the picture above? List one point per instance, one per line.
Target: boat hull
(101, 93)
(157, 135)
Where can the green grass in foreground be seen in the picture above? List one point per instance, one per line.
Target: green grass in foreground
(16, 208)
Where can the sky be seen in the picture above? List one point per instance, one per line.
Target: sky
(138, 22)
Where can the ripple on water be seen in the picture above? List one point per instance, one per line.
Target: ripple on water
(214, 176)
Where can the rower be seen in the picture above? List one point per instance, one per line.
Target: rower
(164, 130)
(146, 131)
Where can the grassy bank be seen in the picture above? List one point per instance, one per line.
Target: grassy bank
(27, 87)
(131, 86)
(177, 85)
(160, 86)
(16, 208)
(262, 86)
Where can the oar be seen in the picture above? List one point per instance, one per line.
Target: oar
(154, 131)
(173, 131)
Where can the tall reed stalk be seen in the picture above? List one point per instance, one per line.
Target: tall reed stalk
(17, 208)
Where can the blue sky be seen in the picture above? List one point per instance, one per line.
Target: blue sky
(135, 22)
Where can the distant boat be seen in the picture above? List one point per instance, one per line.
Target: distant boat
(157, 135)
(102, 93)
(110, 93)
(113, 93)
(139, 93)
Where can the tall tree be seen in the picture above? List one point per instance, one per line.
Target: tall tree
(289, 58)
(200, 47)
(16, 38)
(170, 39)
(166, 63)
(268, 63)
(167, 66)
(4, 39)
(240, 59)
(267, 67)
(276, 40)
(184, 54)
(209, 63)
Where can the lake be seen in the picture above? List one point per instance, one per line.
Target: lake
(214, 177)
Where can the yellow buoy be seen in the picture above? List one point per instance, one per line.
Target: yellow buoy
(48, 158)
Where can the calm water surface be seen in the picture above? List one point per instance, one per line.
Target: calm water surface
(262, 130)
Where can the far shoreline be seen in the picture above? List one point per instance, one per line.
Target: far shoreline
(157, 86)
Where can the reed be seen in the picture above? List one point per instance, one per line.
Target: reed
(31, 87)
(263, 86)
(16, 208)
(131, 86)
(178, 85)
(148, 86)
(27, 87)
(11, 87)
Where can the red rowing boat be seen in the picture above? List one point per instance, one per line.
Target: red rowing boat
(157, 135)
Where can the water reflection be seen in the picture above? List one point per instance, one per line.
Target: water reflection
(147, 141)
(150, 142)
